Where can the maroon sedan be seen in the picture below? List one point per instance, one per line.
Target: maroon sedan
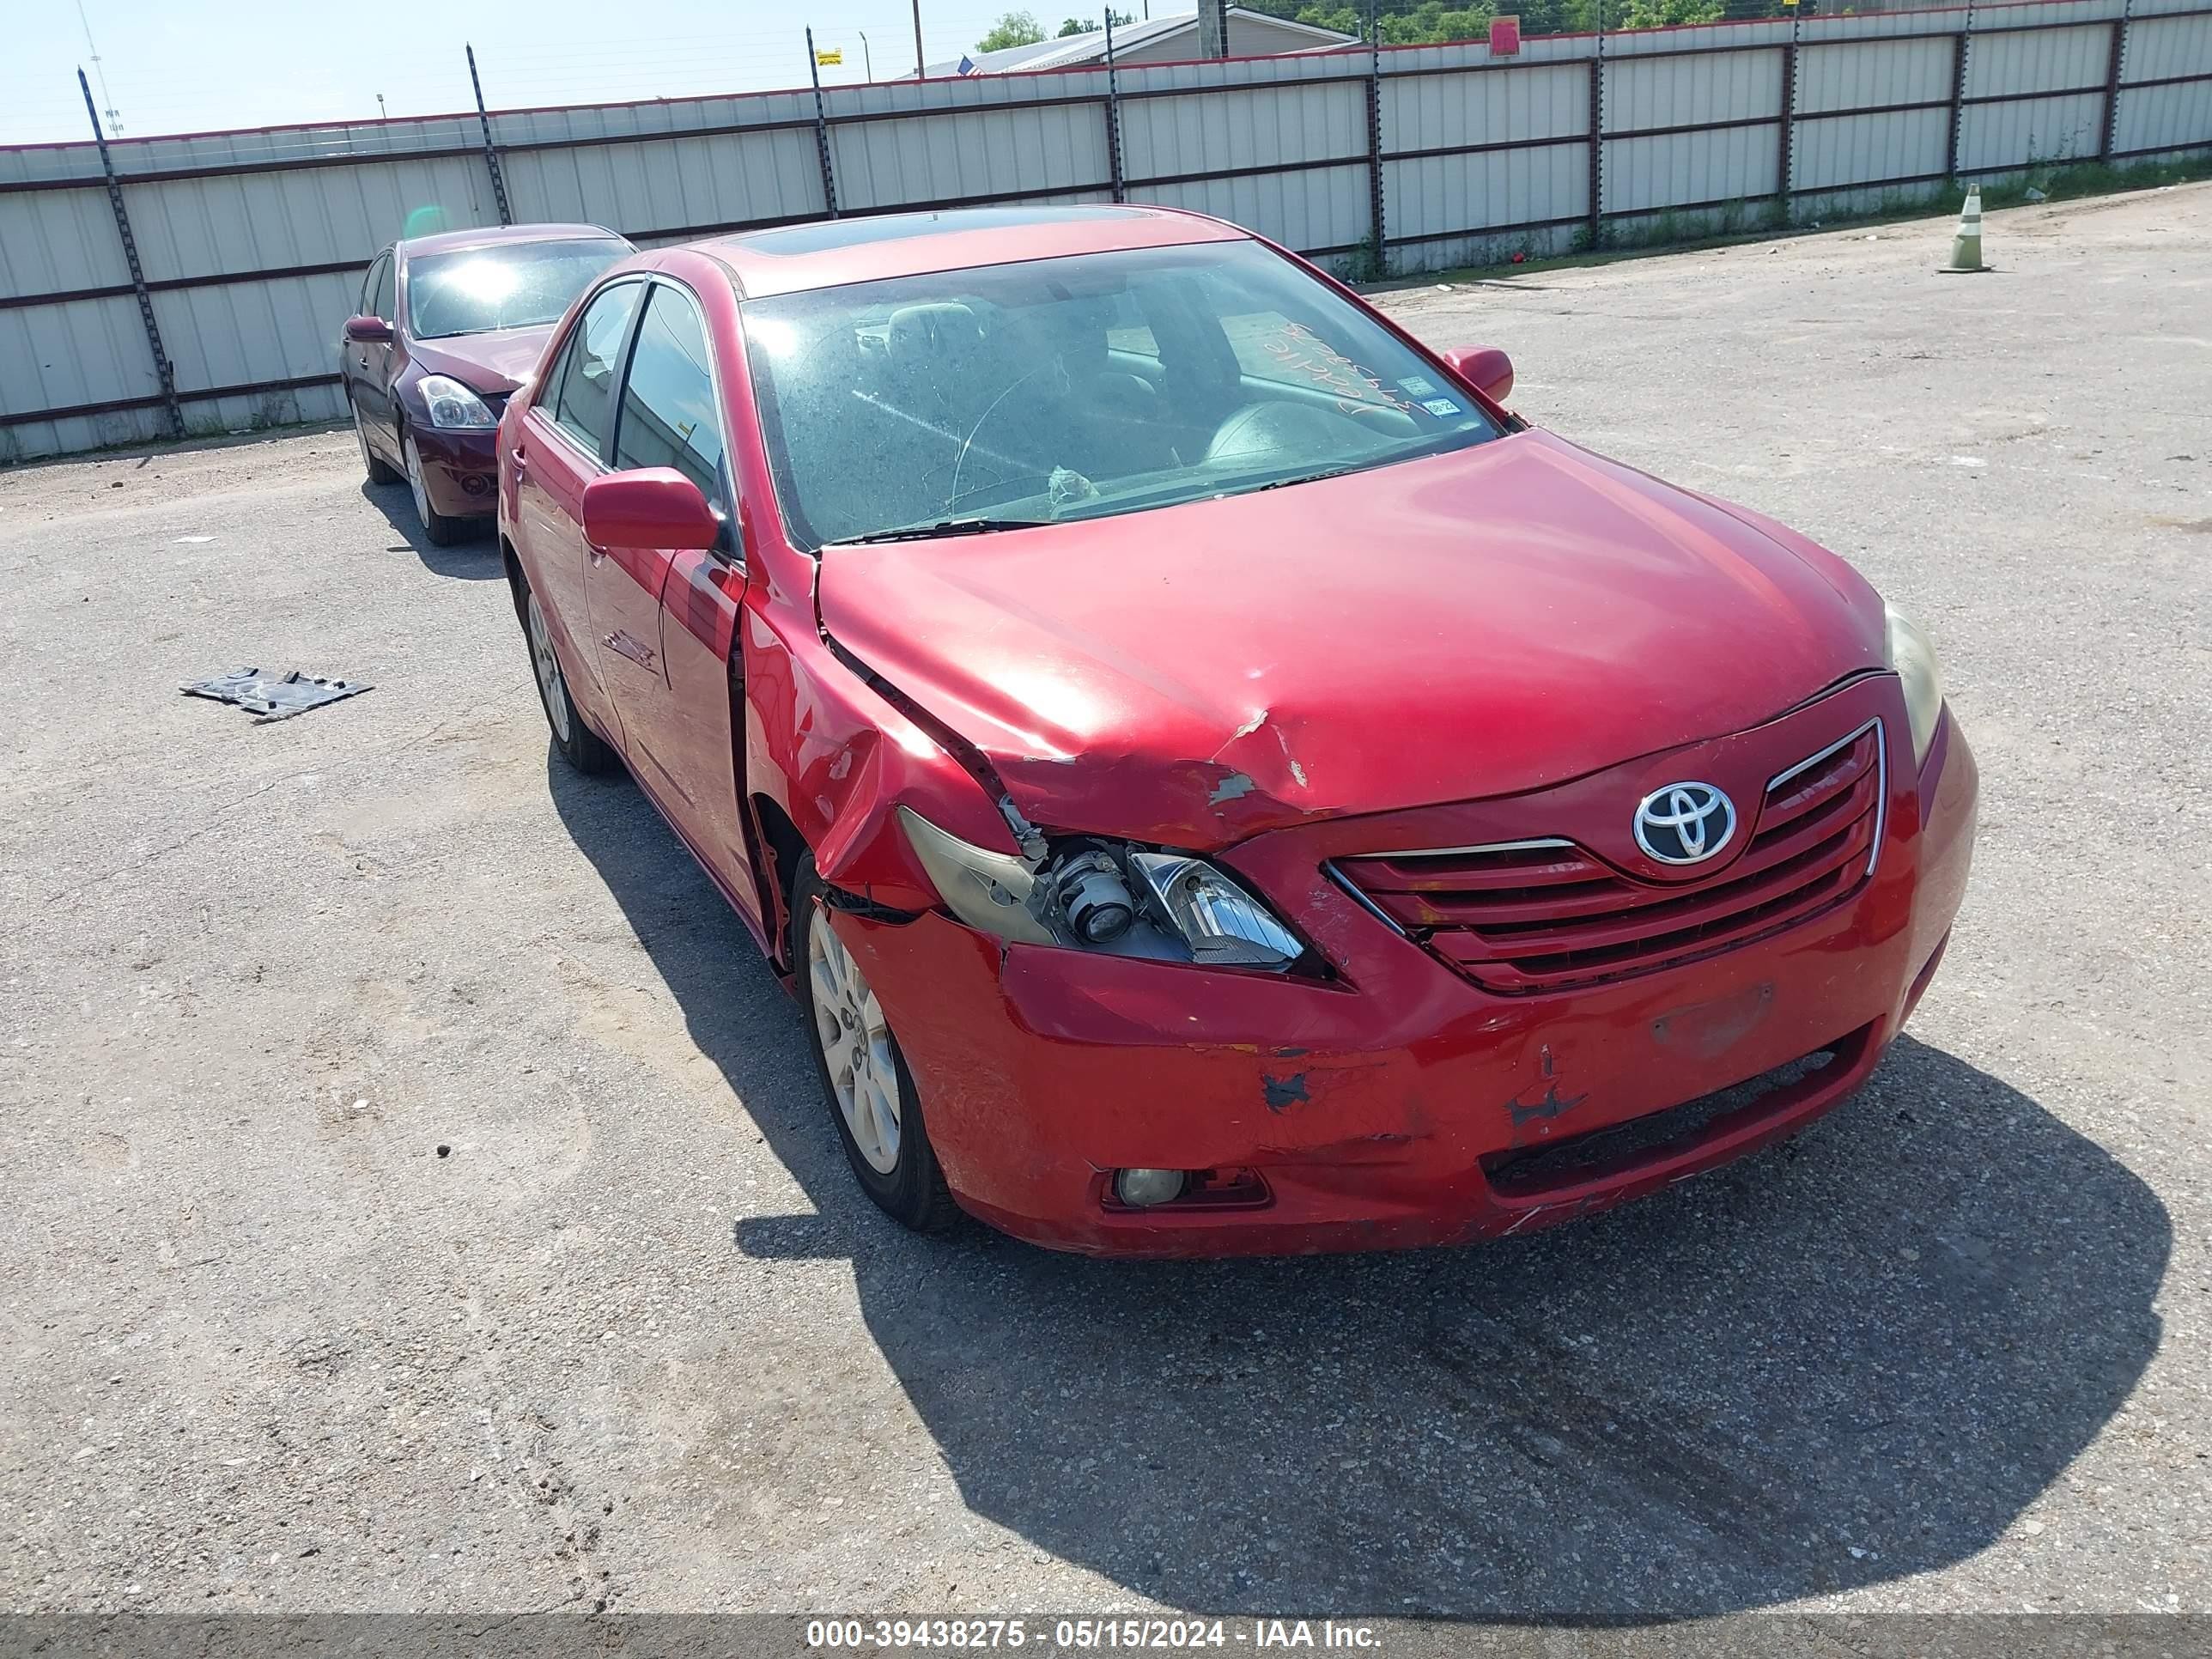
(447, 327)
(1215, 779)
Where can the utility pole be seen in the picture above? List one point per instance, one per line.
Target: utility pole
(867, 57)
(106, 98)
(917, 39)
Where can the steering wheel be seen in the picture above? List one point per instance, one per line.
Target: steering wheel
(960, 461)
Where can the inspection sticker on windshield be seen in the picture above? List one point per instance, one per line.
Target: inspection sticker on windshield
(1441, 406)
(1417, 386)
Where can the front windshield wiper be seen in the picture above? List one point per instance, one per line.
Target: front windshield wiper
(922, 533)
(1314, 478)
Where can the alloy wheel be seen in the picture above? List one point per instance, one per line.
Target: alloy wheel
(547, 665)
(421, 490)
(856, 1046)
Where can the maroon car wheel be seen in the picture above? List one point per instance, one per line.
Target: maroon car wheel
(378, 470)
(442, 531)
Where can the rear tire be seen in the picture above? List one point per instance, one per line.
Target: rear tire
(442, 531)
(580, 747)
(378, 470)
(865, 1080)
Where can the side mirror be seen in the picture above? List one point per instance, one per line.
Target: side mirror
(649, 507)
(1485, 368)
(368, 330)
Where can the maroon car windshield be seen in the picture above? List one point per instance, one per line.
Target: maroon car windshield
(1036, 393)
(503, 285)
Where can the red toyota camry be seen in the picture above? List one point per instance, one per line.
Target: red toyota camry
(1217, 780)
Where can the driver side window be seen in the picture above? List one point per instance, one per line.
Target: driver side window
(583, 404)
(379, 301)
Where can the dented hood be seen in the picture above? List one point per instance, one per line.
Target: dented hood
(495, 363)
(1478, 623)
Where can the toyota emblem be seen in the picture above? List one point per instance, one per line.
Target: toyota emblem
(1684, 823)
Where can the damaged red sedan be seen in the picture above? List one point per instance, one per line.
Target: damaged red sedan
(1217, 780)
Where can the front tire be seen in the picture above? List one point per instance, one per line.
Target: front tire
(870, 1093)
(378, 470)
(442, 531)
(580, 747)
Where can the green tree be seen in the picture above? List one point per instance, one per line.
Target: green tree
(1076, 26)
(1657, 14)
(1014, 28)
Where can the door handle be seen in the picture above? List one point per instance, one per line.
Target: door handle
(363, 361)
(521, 461)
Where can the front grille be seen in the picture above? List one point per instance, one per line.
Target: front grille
(1546, 914)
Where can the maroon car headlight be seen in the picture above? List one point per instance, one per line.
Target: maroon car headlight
(1912, 653)
(1094, 893)
(452, 404)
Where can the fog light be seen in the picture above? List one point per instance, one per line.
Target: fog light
(1142, 1189)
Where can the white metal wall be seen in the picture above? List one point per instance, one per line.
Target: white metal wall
(252, 244)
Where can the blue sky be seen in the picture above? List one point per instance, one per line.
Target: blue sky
(192, 65)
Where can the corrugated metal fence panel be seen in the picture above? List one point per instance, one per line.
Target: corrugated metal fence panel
(1840, 152)
(55, 241)
(1309, 212)
(62, 356)
(1856, 74)
(1870, 150)
(252, 333)
(1674, 92)
(1436, 111)
(1248, 127)
(2159, 118)
(1679, 169)
(956, 155)
(1688, 168)
(304, 216)
(2023, 131)
(673, 185)
(1442, 196)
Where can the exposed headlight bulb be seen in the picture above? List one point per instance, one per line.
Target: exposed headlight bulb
(1094, 899)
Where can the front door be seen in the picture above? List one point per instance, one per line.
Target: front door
(368, 363)
(663, 621)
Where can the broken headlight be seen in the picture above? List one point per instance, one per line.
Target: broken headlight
(1101, 895)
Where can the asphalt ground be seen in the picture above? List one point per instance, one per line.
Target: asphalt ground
(418, 1196)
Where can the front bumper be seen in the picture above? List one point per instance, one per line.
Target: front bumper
(1382, 1109)
(460, 469)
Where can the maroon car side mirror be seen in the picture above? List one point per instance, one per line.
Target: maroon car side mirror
(368, 330)
(648, 507)
(1485, 368)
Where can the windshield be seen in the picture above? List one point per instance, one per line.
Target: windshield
(1082, 387)
(508, 285)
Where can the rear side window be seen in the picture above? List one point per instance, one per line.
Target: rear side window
(585, 405)
(668, 413)
(377, 267)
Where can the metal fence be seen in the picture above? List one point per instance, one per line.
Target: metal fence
(154, 286)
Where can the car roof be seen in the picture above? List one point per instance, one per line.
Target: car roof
(448, 241)
(830, 253)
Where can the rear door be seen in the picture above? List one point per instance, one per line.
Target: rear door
(665, 621)
(561, 446)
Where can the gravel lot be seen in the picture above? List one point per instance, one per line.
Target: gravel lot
(417, 1194)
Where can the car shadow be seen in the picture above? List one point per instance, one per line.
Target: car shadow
(1852, 1359)
(476, 559)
